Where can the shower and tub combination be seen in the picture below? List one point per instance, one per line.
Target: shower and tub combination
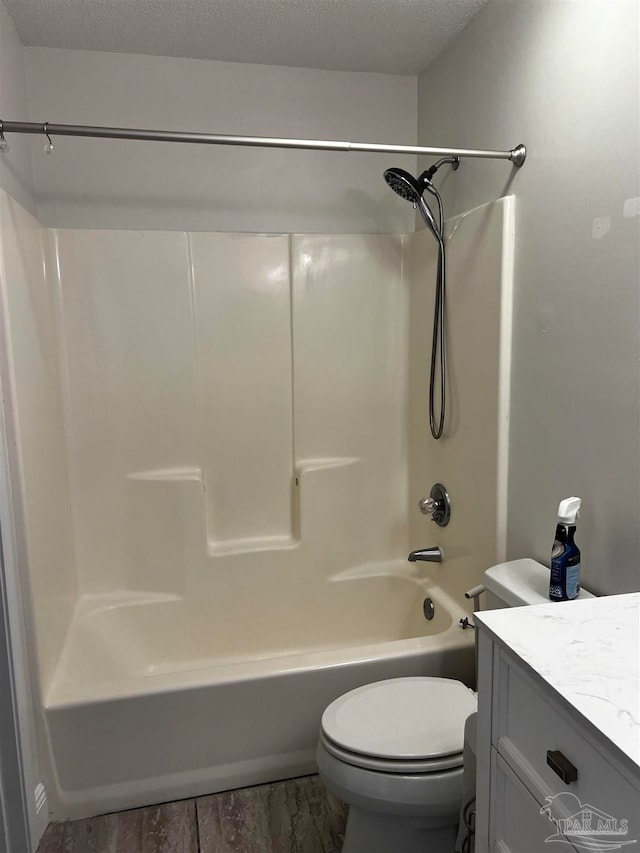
(216, 542)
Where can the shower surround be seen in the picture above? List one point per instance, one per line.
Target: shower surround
(219, 401)
(216, 442)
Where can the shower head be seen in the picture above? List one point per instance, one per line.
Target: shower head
(411, 189)
(404, 184)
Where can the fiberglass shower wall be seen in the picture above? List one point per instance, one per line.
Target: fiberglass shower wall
(32, 381)
(235, 410)
(471, 459)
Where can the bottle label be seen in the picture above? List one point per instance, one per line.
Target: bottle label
(564, 583)
(573, 581)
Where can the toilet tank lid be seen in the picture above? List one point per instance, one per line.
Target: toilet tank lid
(415, 717)
(521, 582)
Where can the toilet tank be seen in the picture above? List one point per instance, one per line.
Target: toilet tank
(517, 583)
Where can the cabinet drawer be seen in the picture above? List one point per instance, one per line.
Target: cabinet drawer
(517, 825)
(529, 724)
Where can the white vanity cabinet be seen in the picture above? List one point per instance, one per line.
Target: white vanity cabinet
(558, 735)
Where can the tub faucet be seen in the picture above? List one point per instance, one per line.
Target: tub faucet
(426, 555)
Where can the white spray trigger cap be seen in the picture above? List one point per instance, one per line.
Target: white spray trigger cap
(569, 510)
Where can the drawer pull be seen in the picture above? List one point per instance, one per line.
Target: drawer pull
(561, 766)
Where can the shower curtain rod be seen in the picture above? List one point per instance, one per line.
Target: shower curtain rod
(515, 155)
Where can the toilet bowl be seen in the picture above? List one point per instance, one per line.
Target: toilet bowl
(392, 751)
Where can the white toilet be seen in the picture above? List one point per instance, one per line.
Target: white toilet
(392, 750)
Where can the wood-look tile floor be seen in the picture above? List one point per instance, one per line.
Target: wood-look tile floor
(296, 816)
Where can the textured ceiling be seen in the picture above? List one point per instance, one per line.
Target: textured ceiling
(392, 36)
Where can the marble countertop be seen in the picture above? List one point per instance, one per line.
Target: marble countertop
(588, 652)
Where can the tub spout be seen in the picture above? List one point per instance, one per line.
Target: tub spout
(426, 555)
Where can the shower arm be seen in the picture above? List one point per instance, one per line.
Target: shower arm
(515, 155)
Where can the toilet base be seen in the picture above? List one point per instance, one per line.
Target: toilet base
(379, 833)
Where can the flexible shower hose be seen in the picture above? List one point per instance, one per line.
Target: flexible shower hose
(438, 343)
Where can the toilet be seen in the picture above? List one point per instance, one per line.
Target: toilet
(393, 750)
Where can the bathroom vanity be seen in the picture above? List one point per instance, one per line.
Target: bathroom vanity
(558, 727)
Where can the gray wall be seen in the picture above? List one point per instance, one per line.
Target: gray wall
(563, 78)
(119, 184)
(15, 165)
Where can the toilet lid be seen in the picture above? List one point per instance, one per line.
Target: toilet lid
(401, 718)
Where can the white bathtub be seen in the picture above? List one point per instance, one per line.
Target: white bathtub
(155, 699)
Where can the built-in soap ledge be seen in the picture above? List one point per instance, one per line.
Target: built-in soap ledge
(98, 602)
(323, 463)
(398, 567)
(251, 545)
(168, 475)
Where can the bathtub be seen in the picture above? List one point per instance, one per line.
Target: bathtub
(154, 699)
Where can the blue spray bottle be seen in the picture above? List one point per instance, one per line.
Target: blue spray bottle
(565, 554)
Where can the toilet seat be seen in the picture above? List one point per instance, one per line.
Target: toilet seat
(389, 765)
(409, 725)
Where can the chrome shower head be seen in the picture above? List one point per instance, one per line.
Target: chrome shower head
(411, 189)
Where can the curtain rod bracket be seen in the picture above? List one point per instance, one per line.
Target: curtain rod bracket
(518, 155)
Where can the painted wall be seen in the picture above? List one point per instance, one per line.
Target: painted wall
(120, 184)
(15, 165)
(563, 78)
